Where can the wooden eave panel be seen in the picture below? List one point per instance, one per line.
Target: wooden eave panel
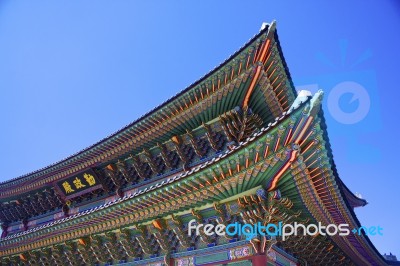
(226, 188)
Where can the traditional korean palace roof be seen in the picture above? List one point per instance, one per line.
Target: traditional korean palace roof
(238, 145)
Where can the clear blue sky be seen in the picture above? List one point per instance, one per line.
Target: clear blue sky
(73, 72)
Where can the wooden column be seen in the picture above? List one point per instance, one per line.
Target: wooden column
(259, 260)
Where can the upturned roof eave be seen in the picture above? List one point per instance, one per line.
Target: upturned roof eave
(345, 192)
(3, 185)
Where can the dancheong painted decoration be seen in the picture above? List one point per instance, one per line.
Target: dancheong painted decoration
(238, 146)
